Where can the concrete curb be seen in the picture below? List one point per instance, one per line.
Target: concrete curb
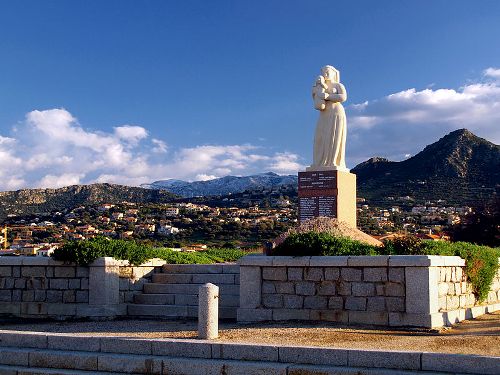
(290, 355)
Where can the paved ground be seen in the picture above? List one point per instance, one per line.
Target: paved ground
(479, 336)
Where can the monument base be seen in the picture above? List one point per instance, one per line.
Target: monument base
(329, 193)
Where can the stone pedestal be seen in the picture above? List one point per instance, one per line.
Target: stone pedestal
(329, 193)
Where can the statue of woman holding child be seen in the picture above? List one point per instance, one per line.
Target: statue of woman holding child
(329, 139)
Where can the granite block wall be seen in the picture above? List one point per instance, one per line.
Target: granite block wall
(422, 291)
(36, 287)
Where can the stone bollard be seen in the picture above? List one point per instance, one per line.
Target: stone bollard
(208, 312)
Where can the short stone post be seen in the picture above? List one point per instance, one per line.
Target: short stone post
(208, 312)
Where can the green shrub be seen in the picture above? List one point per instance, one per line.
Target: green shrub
(481, 262)
(313, 243)
(85, 252)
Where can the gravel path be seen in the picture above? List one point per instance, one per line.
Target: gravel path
(479, 336)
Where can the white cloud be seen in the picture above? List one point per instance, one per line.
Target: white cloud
(492, 73)
(131, 133)
(51, 149)
(285, 162)
(160, 147)
(404, 122)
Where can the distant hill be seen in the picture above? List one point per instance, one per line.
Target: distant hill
(458, 168)
(224, 185)
(33, 201)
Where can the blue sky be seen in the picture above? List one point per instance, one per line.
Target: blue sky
(135, 91)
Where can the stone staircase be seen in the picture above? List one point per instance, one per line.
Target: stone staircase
(173, 293)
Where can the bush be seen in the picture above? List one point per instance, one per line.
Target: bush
(481, 262)
(313, 243)
(85, 252)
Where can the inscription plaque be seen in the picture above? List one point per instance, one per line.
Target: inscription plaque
(317, 194)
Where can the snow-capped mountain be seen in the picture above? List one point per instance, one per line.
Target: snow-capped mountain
(223, 185)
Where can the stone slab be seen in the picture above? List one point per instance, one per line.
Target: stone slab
(245, 352)
(130, 364)
(123, 345)
(182, 348)
(368, 261)
(329, 261)
(63, 360)
(255, 260)
(459, 363)
(14, 356)
(85, 344)
(379, 359)
(313, 355)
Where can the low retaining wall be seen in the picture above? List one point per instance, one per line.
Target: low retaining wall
(422, 291)
(36, 287)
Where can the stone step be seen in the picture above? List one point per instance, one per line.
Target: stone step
(226, 300)
(195, 278)
(175, 311)
(202, 268)
(156, 288)
(19, 370)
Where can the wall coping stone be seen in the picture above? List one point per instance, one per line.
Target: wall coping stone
(353, 261)
(23, 260)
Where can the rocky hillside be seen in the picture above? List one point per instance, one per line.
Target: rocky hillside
(31, 201)
(459, 168)
(224, 185)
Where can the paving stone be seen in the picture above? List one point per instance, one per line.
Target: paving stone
(65, 309)
(338, 316)
(368, 261)
(5, 271)
(17, 296)
(40, 295)
(20, 283)
(69, 296)
(350, 274)
(25, 340)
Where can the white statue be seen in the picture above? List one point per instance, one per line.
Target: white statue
(329, 140)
